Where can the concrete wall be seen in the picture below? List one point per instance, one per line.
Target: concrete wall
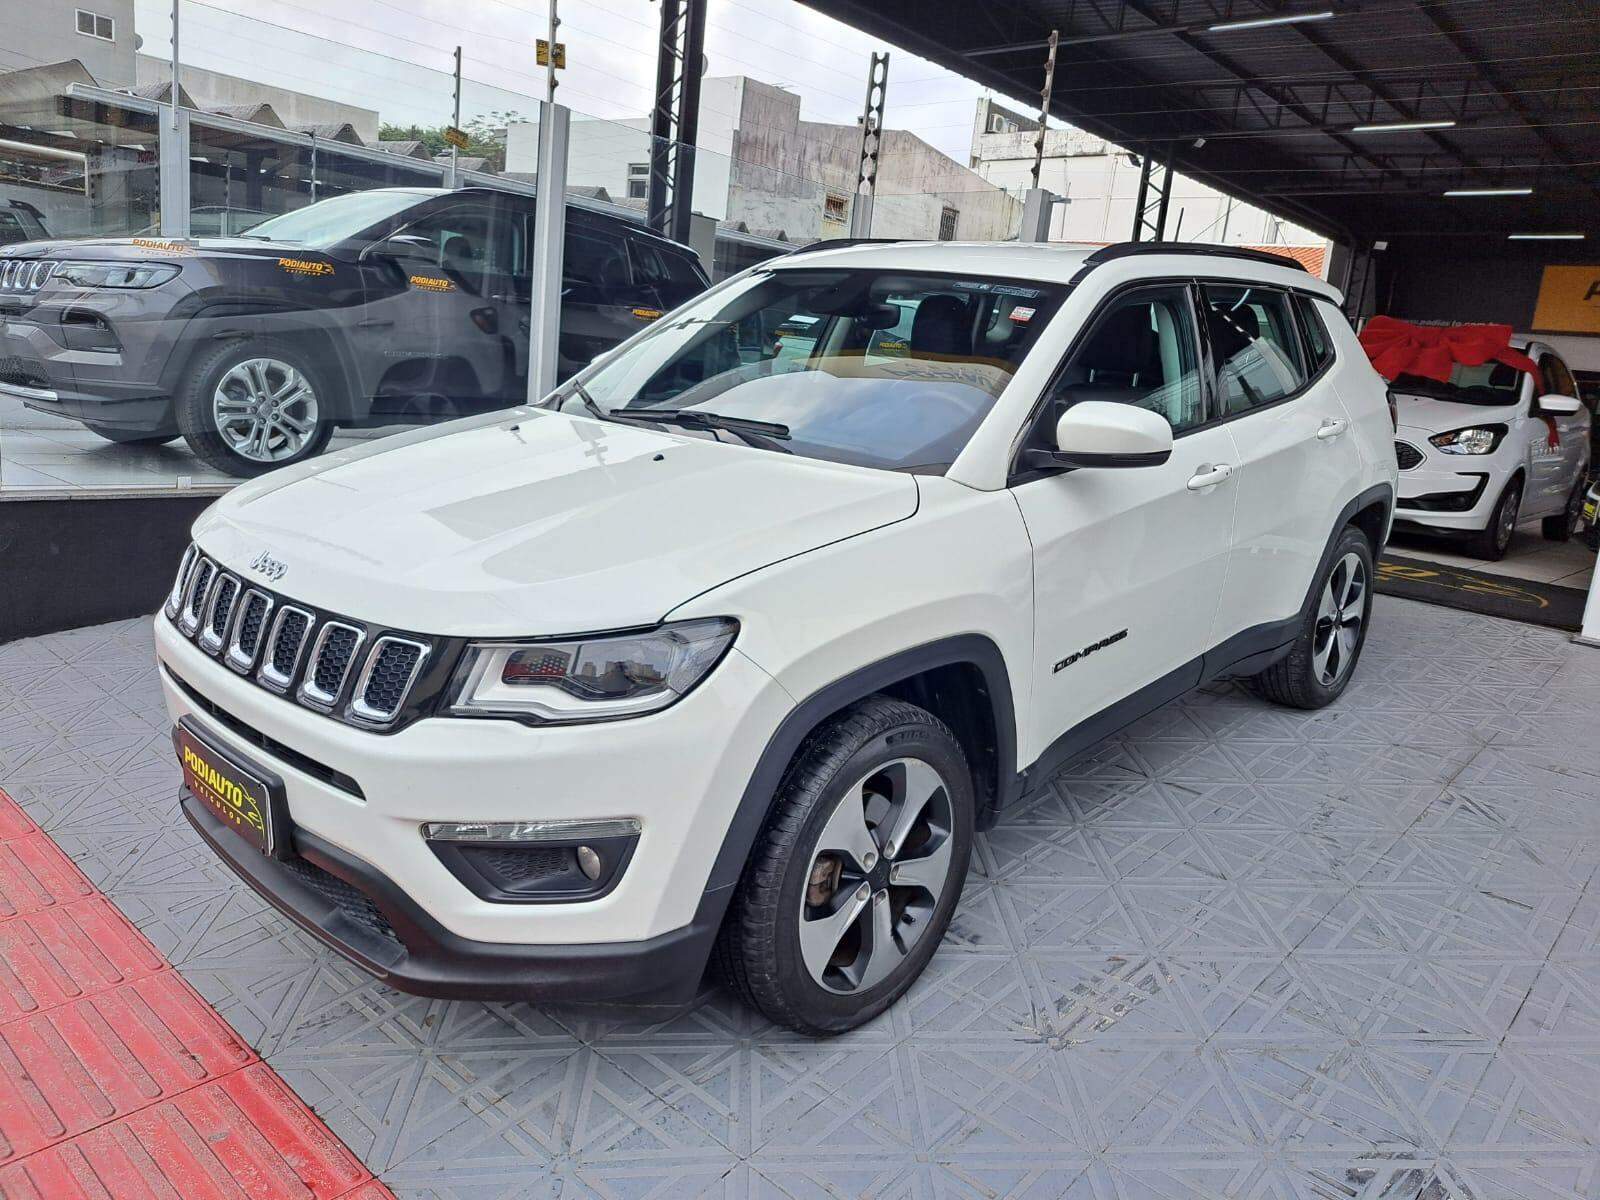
(46, 31)
(212, 89)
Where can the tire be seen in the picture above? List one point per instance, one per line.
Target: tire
(1564, 524)
(876, 754)
(226, 377)
(1492, 542)
(1321, 662)
(130, 437)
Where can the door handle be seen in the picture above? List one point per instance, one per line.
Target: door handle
(1208, 476)
(1331, 428)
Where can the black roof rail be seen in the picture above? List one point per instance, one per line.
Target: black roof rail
(1131, 249)
(840, 243)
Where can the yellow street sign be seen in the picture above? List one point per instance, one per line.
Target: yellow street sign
(456, 137)
(541, 54)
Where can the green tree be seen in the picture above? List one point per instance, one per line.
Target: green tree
(486, 134)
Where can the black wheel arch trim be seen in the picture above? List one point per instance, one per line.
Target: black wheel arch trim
(756, 801)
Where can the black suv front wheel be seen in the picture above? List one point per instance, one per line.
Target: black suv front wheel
(250, 406)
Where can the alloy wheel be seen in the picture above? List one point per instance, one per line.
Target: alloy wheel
(1339, 618)
(879, 868)
(265, 410)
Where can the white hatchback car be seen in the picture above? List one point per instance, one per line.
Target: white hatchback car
(729, 648)
(1492, 447)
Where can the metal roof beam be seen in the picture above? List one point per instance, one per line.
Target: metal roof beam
(1117, 30)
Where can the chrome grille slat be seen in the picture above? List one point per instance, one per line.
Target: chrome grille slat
(329, 666)
(285, 647)
(309, 658)
(249, 630)
(194, 596)
(386, 680)
(219, 608)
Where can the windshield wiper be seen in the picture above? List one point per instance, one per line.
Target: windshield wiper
(766, 434)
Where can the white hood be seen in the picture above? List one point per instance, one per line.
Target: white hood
(1429, 415)
(535, 522)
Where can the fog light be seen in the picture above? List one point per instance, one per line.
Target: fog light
(589, 862)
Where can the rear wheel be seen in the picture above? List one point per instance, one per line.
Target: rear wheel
(251, 406)
(1332, 633)
(853, 882)
(129, 437)
(1492, 542)
(1564, 524)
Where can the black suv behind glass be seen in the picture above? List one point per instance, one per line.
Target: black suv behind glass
(373, 308)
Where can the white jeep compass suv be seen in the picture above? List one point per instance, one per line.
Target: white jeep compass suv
(727, 649)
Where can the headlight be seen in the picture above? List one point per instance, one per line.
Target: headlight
(1480, 439)
(592, 678)
(115, 274)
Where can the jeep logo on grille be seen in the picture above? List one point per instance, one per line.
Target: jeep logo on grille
(274, 569)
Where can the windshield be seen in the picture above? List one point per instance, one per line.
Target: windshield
(1492, 385)
(329, 222)
(869, 367)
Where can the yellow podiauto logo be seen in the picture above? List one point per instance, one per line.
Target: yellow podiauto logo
(161, 246)
(224, 794)
(431, 283)
(308, 267)
(647, 314)
(1569, 300)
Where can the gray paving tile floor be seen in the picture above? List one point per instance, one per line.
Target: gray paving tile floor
(1234, 951)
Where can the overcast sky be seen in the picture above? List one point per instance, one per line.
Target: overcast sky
(395, 56)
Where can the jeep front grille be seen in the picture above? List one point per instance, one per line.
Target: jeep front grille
(346, 669)
(24, 274)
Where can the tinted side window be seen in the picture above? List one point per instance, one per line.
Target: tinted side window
(663, 278)
(467, 241)
(1143, 350)
(1318, 344)
(1254, 345)
(594, 267)
(1557, 379)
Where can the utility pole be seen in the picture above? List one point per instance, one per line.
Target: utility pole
(871, 145)
(455, 120)
(1044, 104)
(550, 60)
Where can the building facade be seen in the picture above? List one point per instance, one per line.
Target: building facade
(97, 33)
(1100, 184)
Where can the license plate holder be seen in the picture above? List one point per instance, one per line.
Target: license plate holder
(246, 797)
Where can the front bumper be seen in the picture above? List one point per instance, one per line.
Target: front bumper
(680, 773)
(362, 914)
(1449, 492)
(118, 389)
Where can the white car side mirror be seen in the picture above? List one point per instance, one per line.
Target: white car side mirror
(1099, 433)
(1559, 406)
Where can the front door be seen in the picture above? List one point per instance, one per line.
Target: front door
(1129, 564)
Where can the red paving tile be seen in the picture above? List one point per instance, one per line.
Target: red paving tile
(117, 1081)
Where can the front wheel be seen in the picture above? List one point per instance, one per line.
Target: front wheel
(1318, 667)
(1564, 524)
(1492, 542)
(251, 406)
(854, 880)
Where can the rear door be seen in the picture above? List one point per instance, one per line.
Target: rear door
(1298, 463)
(600, 303)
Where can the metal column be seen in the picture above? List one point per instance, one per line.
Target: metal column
(674, 123)
(871, 146)
(549, 228)
(173, 170)
(1155, 191)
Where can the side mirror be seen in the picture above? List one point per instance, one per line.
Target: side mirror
(1100, 434)
(1559, 406)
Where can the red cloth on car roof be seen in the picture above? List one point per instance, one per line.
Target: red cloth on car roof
(1399, 348)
